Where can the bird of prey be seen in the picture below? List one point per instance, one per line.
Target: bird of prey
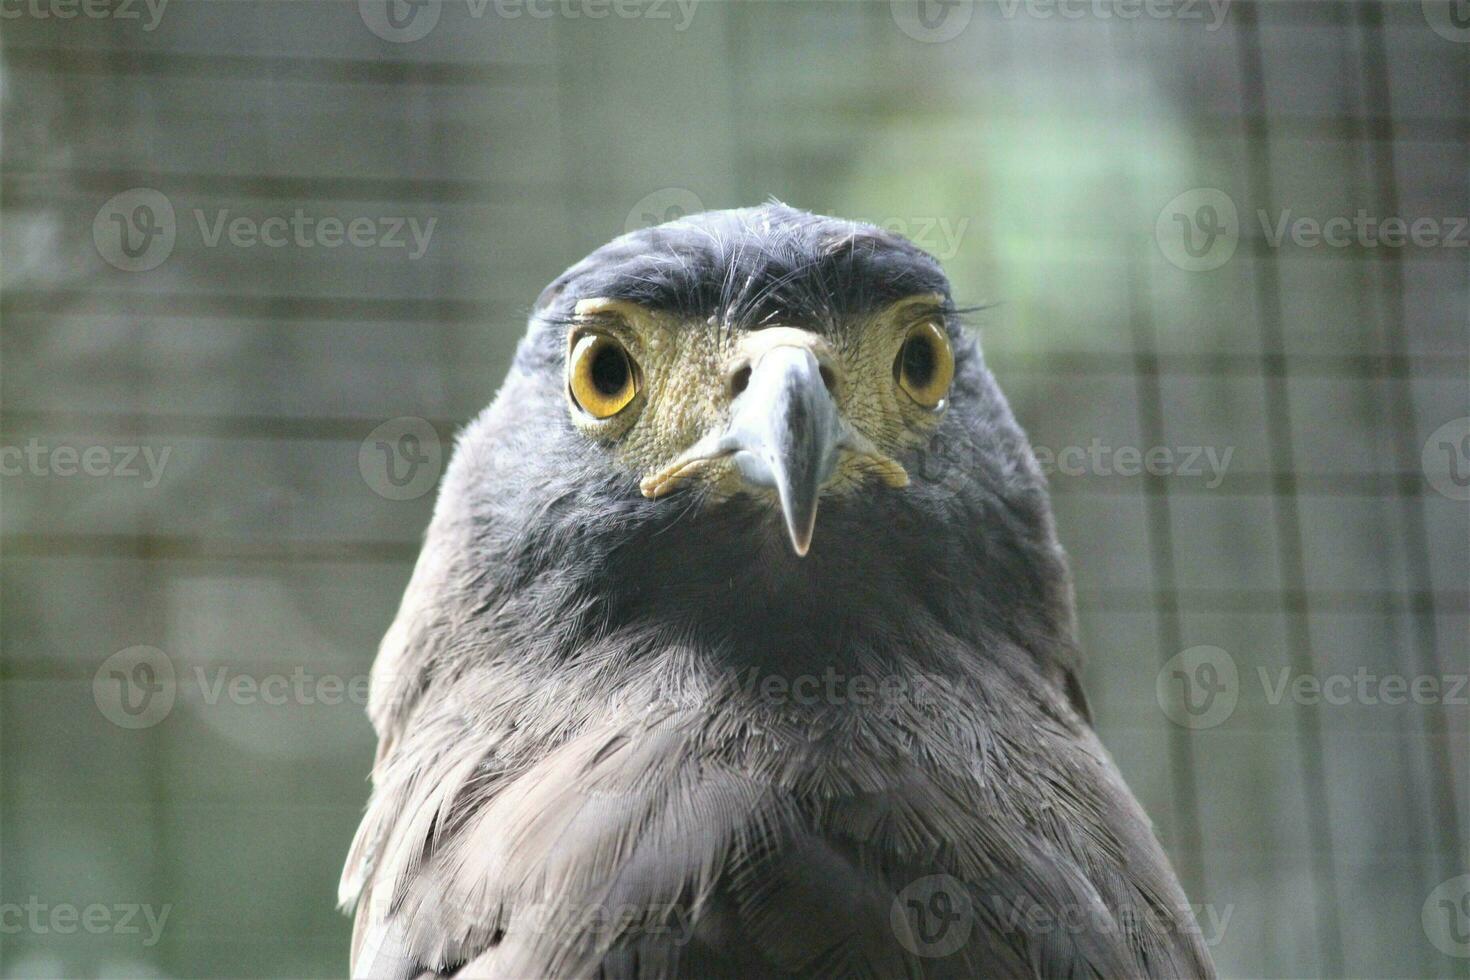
(741, 645)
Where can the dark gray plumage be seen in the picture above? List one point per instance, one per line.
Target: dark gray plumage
(585, 768)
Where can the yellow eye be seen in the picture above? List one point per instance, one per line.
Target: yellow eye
(601, 376)
(925, 365)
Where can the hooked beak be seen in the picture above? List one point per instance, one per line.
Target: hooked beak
(785, 434)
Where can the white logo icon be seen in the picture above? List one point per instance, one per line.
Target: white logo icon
(401, 458)
(1199, 230)
(135, 688)
(1199, 687)
(135, 230)
(932, 21)
(400, 21)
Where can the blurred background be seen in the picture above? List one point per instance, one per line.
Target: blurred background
(262, 259)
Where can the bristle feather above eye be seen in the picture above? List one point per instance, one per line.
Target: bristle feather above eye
(747, 266)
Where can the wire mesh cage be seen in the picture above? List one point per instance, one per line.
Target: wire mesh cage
(262, 259)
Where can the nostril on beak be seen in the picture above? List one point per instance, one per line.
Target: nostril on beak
(739, 379)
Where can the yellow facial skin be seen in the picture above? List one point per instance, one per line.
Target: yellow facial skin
(688, 375)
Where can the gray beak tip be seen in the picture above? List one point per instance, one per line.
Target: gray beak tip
(801, 540)
(787, 436)
(799, 514)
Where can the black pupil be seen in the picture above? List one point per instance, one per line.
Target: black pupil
(609, 369)
(918, 361)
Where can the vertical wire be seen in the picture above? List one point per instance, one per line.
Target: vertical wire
(1360, 130)
(1406, 434)
(1284, 491)
(1149, 401)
